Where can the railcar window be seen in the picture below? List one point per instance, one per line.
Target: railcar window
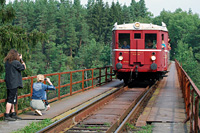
(150, 41)
(124, 41)
(163, 42)
(137, 36)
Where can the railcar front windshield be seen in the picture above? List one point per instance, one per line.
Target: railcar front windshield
(124, 41)
(150, 41)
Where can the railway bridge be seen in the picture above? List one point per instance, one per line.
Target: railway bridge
(97, 102)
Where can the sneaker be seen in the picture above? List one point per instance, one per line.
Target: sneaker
(38, 112)
(14, 116)
(8, 118)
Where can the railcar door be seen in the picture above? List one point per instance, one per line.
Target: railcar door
(136, 52)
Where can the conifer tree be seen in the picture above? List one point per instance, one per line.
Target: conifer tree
(71, 39)
(133, 10)
(142, 9)
(15, 36)
(126, 15)
(97, 20)
(80, 24)
(61, 23)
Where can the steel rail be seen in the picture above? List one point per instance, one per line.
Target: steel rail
(129, 116)
(74, 117)
(101, 128)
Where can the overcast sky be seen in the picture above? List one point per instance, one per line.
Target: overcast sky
(156, 6)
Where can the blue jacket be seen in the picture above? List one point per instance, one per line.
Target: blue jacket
(39, 90)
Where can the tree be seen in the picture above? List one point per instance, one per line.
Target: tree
(71, 38)
(89, 56)
(126, 15)
(15, 36)
(138, 10)
(80, 23)
(97, 20)
(184, 54)
(142, 12)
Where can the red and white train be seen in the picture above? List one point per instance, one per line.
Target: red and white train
(140, 51)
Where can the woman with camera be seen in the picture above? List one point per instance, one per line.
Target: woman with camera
(39, 96)
(13, 66)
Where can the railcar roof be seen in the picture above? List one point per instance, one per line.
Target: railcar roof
(142, 26)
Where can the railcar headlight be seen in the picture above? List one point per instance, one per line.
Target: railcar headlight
(120, 58)
(153, 58)
(137, 25)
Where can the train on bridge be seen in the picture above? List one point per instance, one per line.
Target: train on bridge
(140, 51)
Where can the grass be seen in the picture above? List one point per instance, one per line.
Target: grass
(146, 129)
(34, 126)
(107, 124)
(130, 126)
(143, 129)
(93, 127)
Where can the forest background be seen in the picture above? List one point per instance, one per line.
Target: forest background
(56, 36)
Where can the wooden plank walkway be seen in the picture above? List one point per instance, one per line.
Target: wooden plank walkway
(166, 109)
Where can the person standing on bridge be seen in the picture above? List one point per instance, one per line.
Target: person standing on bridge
(13, 66)
(39, 94)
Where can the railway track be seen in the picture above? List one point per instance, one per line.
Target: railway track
(109, 113)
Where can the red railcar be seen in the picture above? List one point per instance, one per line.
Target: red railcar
(140, 51)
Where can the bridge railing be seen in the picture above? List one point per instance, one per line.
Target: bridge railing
(191, 96)
(66, 84)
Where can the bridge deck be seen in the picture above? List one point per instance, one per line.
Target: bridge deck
(166, 109)
(57, 108)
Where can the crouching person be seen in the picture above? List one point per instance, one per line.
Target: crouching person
(39, 94)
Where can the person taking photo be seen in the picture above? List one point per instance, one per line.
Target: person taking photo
(39, 97)
(13, 67)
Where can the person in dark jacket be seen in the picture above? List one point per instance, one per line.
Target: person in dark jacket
(39, 97)
(13, 66)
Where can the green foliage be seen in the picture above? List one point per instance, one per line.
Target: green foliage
(184, 54)
(62, 36)
(130, 126)
(35, 126)
(183, 26)
(92, 56)
(7, 13)
(15, 36)
(146, 129)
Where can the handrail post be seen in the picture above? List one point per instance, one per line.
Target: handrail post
(192, 112)
(111, 73)
(99, 76)
(16, 106)
(92, 78)
(83, 80)
(31, 86)
(187, 98)
(106, 74)
(59, 82)
(196, 116)
(70, 83)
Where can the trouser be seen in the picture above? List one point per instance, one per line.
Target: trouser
(12, 96)
(38, 104)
